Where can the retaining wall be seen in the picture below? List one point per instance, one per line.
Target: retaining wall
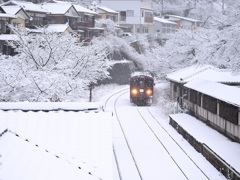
(222, 166)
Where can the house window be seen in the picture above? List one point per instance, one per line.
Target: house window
(193, 96)
(130, 13)
(175, 88)
(122, 15)
(81, 18)
(228, 112)
(145, 30)
(210, 104)
(138, 30)
(113, 18)
(148, 17)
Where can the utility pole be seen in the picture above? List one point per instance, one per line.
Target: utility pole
(91, 86)
(162, 8)
(223, 7)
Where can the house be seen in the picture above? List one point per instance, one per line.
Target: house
(86, 24)
(216, 104)
(36, 12)
(21, 15)
(106, 13)
(5, 32)
(5, 18)
(136, 15)
(183, 22)
(61, 13)
(59, 28)
(164, 28)
(210, 94)
(80, 19)
(178, 78)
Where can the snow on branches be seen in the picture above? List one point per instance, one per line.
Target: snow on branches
(50, 63)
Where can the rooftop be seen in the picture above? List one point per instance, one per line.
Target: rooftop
(183, 18)
(55, 141)
(163, 20)
(229, 94)
(27, 6)
(205, 72)
(106, 9)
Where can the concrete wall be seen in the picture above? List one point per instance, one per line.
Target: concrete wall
(120, 73)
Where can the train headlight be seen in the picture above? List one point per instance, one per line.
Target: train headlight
(149, 92)
(134, 91)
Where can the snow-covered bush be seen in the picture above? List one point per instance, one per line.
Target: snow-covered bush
(162, 97)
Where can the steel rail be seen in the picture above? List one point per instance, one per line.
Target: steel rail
(125, 137)
(173, 141)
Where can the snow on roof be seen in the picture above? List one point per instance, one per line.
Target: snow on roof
(184, 18)
(8, 37)
(205, 72)
(39, 30)
(229, 94)
(11, 9)
(83, 9)
(59, 28)
(5, 15)
(140, 74)
(14, 10)
(28, 6)
(163, 20)
(104, 8)
(57, 8)
(49, 106)
(55, 144)
(77, 7)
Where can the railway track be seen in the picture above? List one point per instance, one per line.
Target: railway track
(181, 165)
(173, 140)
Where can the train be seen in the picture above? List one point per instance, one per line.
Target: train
(141, 88)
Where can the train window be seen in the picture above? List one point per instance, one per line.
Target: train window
(134, 83)
(149, 83)
(141, 84)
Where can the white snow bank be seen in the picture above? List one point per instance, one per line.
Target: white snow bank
(225, 148)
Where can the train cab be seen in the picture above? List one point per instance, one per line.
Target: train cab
(141, 88)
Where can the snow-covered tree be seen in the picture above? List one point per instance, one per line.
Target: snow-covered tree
(218, 46)
(48, 64)
(109, 26)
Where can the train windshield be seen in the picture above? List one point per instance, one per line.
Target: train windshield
(141, 84)
(149, 83)
(134, 83)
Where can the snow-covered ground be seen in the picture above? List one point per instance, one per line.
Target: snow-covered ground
(147, 147)
(134, 143)
(221, 145)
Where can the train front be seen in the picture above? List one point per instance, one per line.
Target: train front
(141, 88)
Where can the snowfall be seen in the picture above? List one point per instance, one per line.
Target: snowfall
(54, 141)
